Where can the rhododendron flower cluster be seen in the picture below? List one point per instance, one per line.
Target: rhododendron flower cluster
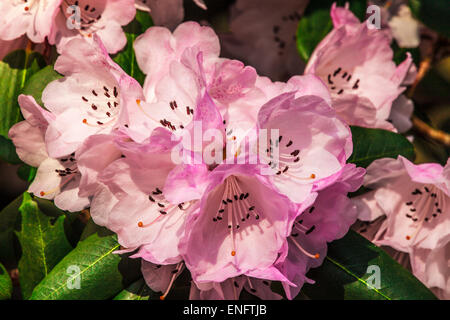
(102, 141)
(233, 174)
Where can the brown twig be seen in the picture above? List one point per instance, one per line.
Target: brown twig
(426, 130)
(423, 69)
(418, 124)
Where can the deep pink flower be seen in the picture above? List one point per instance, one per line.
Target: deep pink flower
(240, 227)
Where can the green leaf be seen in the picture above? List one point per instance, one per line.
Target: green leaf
(15, 69)
(137, 291)
(434, 14)
(311, 30)
(372, 144)
(92, 228)
(8, 151)
(127, 57)
(345, 274)
(8, 219)
(94, 266)
(316, 24)
(5, 284)
(43, 244)
(26, 172)
(38, 81)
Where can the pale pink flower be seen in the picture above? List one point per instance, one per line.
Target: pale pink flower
(56, 178)
(104, 18)
(415, 201)
(87, 102)
(34, 18)
(140, 214)
(313, 144)
(355, 80)
(159, 54)
(57, 21)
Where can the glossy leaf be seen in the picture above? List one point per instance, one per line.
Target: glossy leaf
(94, 266)
(5, 284)
(372, 144)
(345, 274)
(15, 69)
(43, 244)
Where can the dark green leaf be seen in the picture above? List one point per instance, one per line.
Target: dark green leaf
(344, 274)
(97, 268)
(137, 291)
(144, 19)
(37, 83)
(15, 69)
(27, 173)
(8, 151)
(92, 228)
(43, 244)
(372, 144)
(433, 13)
(5, 284)
(127, 57)
(8, 220)
(311, 30)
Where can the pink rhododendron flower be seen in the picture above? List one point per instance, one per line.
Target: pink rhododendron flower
(326, 220)
(33, 18)
(86, 103)
(59, 21)
(240, 227)
(103, 18)
(312, 143)
(159, 54)
(269, 43)
(355, 81)
(417, 216)
(160, 278)
(141, 215)
(56, 178)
